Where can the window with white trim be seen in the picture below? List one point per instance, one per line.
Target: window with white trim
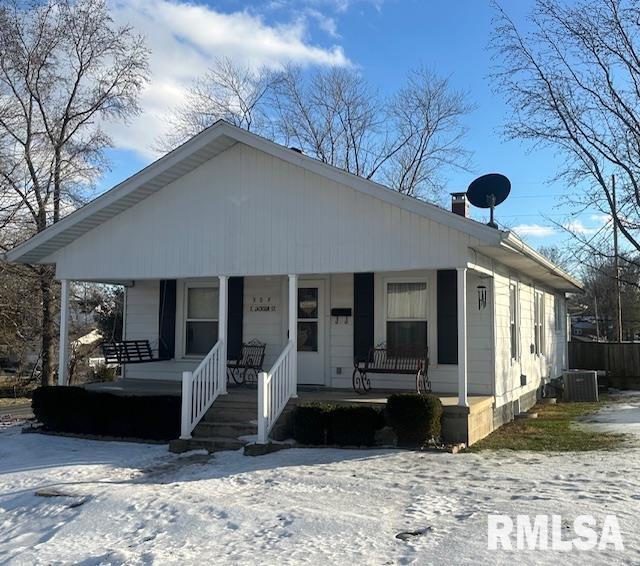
(538, 322)
(406, 322)
(513, 319)
(201, 321)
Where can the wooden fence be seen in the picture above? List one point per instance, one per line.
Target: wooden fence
(621, 360)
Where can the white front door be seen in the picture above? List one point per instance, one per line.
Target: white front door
(310, 332)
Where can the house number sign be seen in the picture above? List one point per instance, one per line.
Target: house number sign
(262, 303)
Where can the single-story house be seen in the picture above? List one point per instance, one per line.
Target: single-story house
(232, 238)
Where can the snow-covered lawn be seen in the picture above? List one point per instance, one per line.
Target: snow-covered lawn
(138, 504)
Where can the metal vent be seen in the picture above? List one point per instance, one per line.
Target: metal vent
(580, 385)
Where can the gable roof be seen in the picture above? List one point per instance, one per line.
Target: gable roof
(220, 137)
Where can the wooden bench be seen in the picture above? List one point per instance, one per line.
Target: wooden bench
(128, 352)
(246, 368)
(404, 360)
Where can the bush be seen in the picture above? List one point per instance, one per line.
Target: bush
(103, 372)
(321, 423)
(310, 423)
(77, 410)
(354, 425)
(415, 418)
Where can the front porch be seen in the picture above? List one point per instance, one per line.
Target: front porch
(466, 424)
(313, 328)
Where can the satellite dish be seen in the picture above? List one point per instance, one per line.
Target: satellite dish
(489, 191)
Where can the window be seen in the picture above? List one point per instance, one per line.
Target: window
(308, 319)
(406, 316)
(201, 326)
(513, 319)
(538, 322)
(557, 313)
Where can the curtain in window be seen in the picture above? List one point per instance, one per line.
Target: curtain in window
(407, 300)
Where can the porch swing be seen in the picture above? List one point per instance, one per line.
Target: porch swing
(136, 351)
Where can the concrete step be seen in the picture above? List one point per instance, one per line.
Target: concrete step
(209, 443)
(225, 429)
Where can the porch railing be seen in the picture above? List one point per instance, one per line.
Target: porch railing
(275, 388)
(201, 387)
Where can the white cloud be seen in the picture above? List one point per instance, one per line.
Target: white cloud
(577, 227)
(185, 38)
(534, 230)
(600, 219)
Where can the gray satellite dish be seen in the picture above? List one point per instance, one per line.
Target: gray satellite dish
(489, 191)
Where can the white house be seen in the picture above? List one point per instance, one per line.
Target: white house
(231, 237)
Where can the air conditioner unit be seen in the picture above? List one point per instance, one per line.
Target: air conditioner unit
(580, 385)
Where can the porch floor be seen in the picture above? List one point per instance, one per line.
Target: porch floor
(142, 387)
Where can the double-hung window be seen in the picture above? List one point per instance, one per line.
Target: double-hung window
(513, 319)
(406, 316)
(201, 323)
(538, 322)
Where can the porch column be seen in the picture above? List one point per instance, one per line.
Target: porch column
(63, 363)
(462, 336)
(293, 331)
(222, 328)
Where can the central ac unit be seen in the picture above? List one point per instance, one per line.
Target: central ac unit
(580, 385)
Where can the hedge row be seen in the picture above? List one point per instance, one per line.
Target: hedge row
(77, 410)
(414, 418)
(349, 425)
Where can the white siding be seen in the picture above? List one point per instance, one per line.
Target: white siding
(537, 368)
(247, 213)
(268, 327)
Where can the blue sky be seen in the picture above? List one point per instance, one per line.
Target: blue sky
(383, 38)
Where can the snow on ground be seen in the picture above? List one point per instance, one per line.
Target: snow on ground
(126, 503)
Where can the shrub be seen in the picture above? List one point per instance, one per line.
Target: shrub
(310, 423)
(415, 418)
(77, 410)
(354, 425)
(321, 423)
(103, 372)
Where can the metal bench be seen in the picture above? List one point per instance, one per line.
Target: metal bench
(128, 352)
(404, 360)
(246, 368)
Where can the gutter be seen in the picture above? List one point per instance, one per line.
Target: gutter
(510, 240)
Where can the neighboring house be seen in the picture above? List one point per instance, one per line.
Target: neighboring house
(231, 237)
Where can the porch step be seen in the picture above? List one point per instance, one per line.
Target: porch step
(228, 429)
(209, 443)
(230, 417)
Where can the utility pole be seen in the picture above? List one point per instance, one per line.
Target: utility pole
(616, 263)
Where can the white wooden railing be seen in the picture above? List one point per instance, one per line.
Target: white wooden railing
(201, 387)
(275, 388)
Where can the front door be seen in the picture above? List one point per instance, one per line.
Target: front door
(311, 332)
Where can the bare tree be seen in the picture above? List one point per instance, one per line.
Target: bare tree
(427, 115)
(334, 115)
(228, 91)
(573, 84)
(405, 141)
(65, 69)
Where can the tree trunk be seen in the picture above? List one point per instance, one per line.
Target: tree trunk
(47, 296)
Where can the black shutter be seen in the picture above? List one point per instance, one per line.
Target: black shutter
(447, 317)
(234, 322)
(167, 320)
(362, 314)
